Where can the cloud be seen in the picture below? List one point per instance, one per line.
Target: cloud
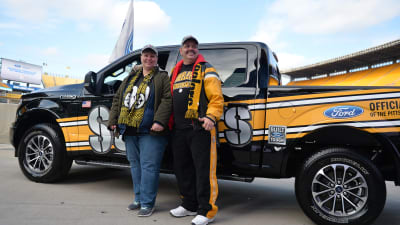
(321, 17)
(1, 44)
(77, 66)
(93, 62)
(289, 60)
(85, 27)
(34, 11)
(286, 19)
(268, 32)
(149, 17)
(331, 16)
(10, 26)
(50, 51)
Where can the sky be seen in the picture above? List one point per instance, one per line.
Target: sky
(76, 36)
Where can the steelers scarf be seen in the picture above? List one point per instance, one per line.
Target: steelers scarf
(130, 114)
(194, 93)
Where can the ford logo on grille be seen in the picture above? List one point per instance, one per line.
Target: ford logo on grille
(276, 135)
(343, 112)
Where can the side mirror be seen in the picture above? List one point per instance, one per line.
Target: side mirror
(90, 82)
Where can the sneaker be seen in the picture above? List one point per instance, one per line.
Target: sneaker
(145, 211)
(181, 212)
(133, 206)
(202, 220)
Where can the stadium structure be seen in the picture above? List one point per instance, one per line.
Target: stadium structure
(12, 93)
(376, 66)
(49, 80)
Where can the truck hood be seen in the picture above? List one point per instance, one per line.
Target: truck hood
(57, 91)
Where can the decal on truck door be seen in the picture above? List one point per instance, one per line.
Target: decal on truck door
(240, 131)
(277, 135)
(103, 139)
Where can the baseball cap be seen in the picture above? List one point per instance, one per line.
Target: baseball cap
(150, 47)
(189, 37)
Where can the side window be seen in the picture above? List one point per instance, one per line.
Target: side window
(163, 59)
(273, 69)
(263, 71)
(114, 78)
(231, 65)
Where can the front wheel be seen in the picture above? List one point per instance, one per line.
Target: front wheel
(340, 186)
(42, 156)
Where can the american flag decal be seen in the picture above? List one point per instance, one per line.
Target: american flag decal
(86, 104)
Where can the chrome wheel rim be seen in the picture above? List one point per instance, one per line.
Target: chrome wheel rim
(339, 190)
(39, 155)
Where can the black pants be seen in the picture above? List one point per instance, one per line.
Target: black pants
(194, 154)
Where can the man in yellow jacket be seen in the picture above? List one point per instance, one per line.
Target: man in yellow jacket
(197, 106)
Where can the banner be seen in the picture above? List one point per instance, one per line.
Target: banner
(20, 71)
(23, 88)
(124, 44)
(5, 87)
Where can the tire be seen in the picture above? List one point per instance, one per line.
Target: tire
(42, 156)
(328, 197)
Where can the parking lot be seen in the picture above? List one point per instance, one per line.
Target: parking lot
(92, 195)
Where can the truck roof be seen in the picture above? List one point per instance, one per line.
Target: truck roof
(201, 45)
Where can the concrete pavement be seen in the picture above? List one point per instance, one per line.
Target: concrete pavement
(97, 196)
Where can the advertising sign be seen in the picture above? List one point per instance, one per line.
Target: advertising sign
(23, 88)
(5, 87)
(20, 71)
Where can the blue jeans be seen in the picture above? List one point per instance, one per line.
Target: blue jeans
(145, 153)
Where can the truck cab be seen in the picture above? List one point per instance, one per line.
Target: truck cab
(245, 70)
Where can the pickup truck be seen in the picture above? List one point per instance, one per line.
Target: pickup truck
(340, 143)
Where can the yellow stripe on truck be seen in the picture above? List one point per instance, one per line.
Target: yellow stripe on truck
(69, 119)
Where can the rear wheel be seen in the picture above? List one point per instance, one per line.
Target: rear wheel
(42, 156)
(340, 186)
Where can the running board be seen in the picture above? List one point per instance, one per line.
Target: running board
(236, 178)
(103, 164)
(126, 166)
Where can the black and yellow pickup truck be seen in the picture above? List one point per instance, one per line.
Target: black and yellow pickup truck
(340, 143)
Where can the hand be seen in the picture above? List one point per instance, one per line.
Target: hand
(157, 127)
(113, 127)
(208, 124)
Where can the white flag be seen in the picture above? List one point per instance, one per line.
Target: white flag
(124, 44)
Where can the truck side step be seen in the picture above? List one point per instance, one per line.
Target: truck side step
(236, 178)
(103, 164)
(126, 166)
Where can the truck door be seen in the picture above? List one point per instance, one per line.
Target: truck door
(235, 64)
(273, 152)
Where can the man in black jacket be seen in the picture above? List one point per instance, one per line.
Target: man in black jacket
(197, 106)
